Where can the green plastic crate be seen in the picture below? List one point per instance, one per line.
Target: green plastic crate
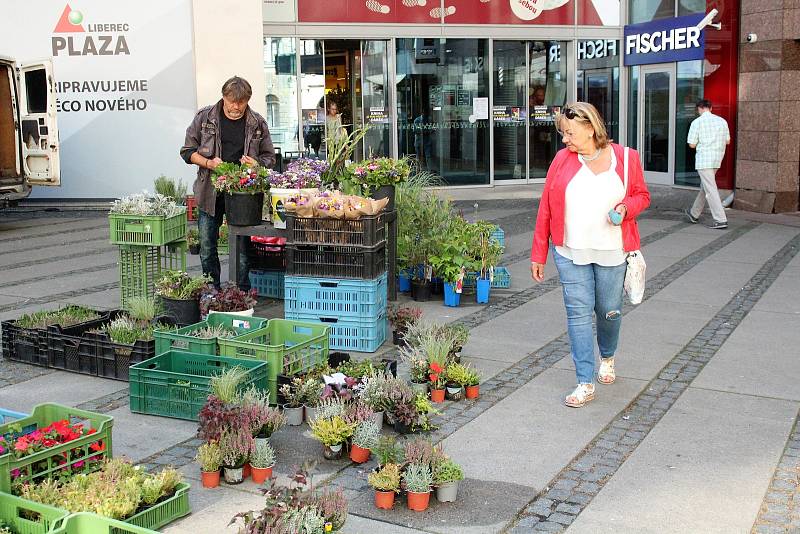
(12, 510)
(289, 347)
(164, 512)
(181, 340)
(89, 523)
(176, 384)
(149, 230)
(44, 464)
(140, 267)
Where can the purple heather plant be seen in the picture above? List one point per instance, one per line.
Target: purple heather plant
(227, 299)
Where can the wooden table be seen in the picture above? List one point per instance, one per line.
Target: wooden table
(266, 229)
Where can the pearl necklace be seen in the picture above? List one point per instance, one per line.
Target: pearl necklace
(594, 157)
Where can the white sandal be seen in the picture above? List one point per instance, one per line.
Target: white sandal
(582, 394)
(606, 375)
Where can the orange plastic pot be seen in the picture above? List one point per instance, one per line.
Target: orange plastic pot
(384, 499)
(246, 471)
(473, 392)
(358, 454)
(210, 479)
(418, 501)
(261, 474)
(437, 395)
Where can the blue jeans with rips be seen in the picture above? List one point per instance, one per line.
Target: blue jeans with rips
(208, 228)
(591, 289)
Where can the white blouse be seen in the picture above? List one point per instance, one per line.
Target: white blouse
(588, 235)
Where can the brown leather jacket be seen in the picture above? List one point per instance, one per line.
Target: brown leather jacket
(203, 136)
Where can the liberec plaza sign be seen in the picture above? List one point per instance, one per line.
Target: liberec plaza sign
(665, 41)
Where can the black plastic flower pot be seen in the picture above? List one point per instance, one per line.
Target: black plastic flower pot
(402, 428)
(335, 359)
(385, 191)
(194, 249)
(183, 312)
(244, 209)
(421, 290)
(437, 286)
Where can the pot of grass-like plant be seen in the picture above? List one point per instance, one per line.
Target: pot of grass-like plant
(418, 480)
(237, 447)
(293, 408)
(179, 293)
(365, 437)
(386, 482)
(332, 432)
(209, 456)
(446, 475)
(262, 461)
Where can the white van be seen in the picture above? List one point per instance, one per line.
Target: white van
(28, 130)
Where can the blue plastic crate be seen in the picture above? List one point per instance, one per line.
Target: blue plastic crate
(502, 278)
(364, 300)
(7, 416)
(350, 334)
(500, 236)
(268, 283)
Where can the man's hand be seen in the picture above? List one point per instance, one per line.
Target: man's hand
(247, 160)
(537, 271)
(212, 163)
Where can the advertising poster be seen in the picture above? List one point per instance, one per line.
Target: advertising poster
(390, 11)
(509, 12)
(278, 11)
(124, 81)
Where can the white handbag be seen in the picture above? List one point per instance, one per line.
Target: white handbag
(635, 272)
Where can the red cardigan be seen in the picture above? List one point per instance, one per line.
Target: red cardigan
(550, 219)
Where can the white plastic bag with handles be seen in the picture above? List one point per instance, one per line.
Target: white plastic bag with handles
(635, 272)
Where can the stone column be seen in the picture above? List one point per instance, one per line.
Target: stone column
(768, 151)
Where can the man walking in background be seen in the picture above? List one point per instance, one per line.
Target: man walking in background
(708, 135)
(226, 131)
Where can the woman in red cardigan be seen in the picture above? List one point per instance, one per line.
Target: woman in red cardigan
(588, 220)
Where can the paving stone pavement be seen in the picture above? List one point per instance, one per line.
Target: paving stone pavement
(780, 511)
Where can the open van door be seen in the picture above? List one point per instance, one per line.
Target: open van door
(38, 128)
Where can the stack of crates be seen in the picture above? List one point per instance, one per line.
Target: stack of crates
(267, 259)
(148, 246)
(336, 275)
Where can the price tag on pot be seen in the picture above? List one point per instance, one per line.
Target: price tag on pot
(239, 323)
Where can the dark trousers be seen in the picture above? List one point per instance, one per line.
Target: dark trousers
(208, 227)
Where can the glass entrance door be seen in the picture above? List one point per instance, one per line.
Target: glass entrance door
(375, 97)
(657, 123)
(510, 110)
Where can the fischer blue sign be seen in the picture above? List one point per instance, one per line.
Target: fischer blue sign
(665, 41)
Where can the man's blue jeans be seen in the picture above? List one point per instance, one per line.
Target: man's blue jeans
(591, 288)
(208, 228)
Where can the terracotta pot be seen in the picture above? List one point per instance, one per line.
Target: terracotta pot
(210, 478)
(384, 499)
(418, 501)
(358, 454)
(260, 474)
(246, 471)
(473, 391)
(437, 395)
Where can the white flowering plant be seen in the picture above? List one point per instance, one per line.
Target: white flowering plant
(145, 204)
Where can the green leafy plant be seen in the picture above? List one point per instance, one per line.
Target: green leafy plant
(387, 478)
(331, 431)
(387, 451)
(457, 373)
(66, 316)
(446, 471)
(181, 285)
(167, 187)
(366, 434)
(225, 385)
(340, 149)
(418, 478)
(209, 456)
(263, 456)
(374, 173)
(489, 250)
(455, 250)
(193, 237)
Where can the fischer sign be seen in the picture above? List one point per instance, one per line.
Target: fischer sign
(666, 41)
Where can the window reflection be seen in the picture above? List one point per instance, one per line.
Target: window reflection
(598, 79)
(647, 10)
(510, 109)
(281, 87)
(547, 94)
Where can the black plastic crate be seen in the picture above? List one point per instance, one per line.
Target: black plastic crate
(113, 359)
(23, 344)
(266, 256)
(328, 261)
(368, 231)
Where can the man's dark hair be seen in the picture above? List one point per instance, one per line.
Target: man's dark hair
(704, 103)
(237, 89)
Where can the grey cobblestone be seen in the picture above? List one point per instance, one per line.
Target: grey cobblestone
(564, 519)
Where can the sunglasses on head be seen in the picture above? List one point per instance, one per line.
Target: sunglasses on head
(569, 113)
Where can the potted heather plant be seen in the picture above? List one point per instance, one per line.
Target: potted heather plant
(446, 475)
(472, 383)
(237, 447)
(209, 456)
(418, 480)
(293, 408)
(400, 317)
(262, 462)
(332, 433)
(312, 390)
(417, 368)
(179, 293)
(228, 299)
(373, 394)
(244, 188)
(365, 438)
(377, 177)
(386, 481)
